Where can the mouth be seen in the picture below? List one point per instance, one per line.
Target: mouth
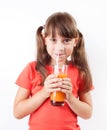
(59, 55)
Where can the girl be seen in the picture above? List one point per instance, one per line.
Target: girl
(58, 37)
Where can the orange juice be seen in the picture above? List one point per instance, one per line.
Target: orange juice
(57, 98)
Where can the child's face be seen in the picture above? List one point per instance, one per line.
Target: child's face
(59, 46)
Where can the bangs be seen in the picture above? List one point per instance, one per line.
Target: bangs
(61, 30)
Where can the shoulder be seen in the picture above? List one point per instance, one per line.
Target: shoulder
(29, 68)
(27, 75)
(32, 63)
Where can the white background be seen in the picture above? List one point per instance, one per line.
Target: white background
(19, 20)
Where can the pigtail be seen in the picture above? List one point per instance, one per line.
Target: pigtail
(79, 59)
(40, 45)
(42, 56)
(78, 55)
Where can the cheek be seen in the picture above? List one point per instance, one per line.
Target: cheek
(50, 49)
(70, 50)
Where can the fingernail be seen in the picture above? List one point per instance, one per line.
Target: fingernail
(60, 83)
(60, 79)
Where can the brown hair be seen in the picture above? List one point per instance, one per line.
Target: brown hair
(66, 26)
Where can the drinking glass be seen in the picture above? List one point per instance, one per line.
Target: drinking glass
(57, 98)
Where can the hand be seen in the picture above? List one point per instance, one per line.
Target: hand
(52, 84)
(66, 87)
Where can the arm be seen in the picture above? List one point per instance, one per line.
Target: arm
(82, 106)
(24, 104)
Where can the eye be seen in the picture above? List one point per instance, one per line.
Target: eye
(67, 40)
(53, 40)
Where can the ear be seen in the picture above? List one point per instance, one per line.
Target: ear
(44, 38)
(76, 41)
(43, 35)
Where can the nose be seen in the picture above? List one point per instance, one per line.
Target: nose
(59, 46)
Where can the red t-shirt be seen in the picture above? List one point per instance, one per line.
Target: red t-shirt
(48, 117)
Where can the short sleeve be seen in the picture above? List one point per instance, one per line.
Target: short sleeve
(82, 86)
(24, 79)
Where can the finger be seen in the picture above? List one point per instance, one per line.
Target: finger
(66, 87)
(55, 89)
(55, 85)
(53, 80)
(51, 76)
(66, 91)
(66, 84)
(49, 79)
(66, 79)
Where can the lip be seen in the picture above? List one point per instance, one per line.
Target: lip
(60, 54)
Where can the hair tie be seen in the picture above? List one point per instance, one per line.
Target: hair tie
(43, 31)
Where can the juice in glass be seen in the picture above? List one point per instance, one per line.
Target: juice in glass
(58, 98)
